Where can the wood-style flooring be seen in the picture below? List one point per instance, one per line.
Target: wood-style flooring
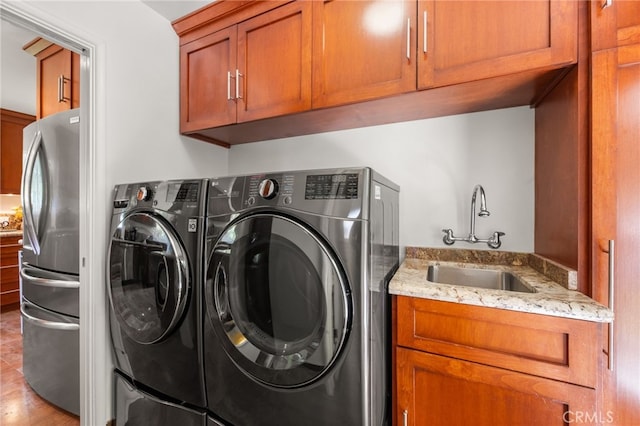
(19, 404)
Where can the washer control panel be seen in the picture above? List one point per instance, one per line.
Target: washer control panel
(163, 195)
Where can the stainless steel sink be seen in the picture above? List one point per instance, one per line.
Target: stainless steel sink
(481, 278)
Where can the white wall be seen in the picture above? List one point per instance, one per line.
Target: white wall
(18, 71)
(437, 163)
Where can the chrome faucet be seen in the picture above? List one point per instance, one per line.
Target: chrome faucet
(493, 242)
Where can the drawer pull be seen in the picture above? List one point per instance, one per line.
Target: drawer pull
(409, 39)
(612, 284)
(424, 33)
(229, 77)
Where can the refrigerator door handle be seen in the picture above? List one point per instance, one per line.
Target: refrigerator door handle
(25, 193)
(24, 306)
(48, 282)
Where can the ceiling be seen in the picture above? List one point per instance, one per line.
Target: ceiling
(174, 9)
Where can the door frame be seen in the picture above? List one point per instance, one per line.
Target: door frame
(95, 353)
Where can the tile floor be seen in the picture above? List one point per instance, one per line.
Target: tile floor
(19, 405)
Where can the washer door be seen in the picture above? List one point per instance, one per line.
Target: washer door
(149, 277)
(278, 299)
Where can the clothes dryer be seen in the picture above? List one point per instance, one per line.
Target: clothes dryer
(155, 284)
(297, 321)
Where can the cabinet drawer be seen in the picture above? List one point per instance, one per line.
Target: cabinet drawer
(557, 348)
(9, 254)
(10, 241)
(9, 278)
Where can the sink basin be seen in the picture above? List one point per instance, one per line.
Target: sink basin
(481, 278)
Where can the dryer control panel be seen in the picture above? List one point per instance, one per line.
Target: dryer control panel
(345, 193)
(332, 187)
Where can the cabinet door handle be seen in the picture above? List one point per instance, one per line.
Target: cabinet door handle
(238, 75)
(60, 89)
(409, 38)
(229, 77)
(424, 32)
(612, 285)
(405, 418)
(62, 80)
(606, 3)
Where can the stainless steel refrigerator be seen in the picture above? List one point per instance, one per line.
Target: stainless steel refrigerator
(50, 259)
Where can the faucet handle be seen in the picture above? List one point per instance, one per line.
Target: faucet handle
(448, 237)
(494, 242)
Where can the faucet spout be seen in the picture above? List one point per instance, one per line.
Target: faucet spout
(483, 208)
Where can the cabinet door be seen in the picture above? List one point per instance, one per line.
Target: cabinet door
(11, 149)
(362, 50)
(54, 81)
(614, 23)
(615, 199)
(437, 390)
(461, 41)
(207, 81)
(274, 63)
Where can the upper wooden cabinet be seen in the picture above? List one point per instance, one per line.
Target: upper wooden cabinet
(362, 50)
(57, 75)
(462, 41)
(614, 23)
(11, 149)
(258, 68)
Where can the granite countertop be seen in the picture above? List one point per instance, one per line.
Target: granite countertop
(554, 284)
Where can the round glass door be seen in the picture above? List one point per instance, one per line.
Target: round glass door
(278, 299)
(149, 277)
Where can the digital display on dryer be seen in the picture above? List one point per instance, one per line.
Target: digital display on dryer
(183, 192)
(331, 187)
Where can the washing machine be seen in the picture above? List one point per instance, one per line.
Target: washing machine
(297, 313)
(155, 270)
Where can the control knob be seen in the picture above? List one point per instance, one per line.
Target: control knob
(268, 189)
(144, 193)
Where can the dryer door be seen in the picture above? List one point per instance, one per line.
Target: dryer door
(278, 299)
(149, 277)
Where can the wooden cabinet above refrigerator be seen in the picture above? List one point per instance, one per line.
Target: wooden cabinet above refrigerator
(57, 75)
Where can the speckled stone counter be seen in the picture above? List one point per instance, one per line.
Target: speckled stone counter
(551, 281)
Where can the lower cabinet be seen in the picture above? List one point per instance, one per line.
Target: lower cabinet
(9, 272)
(459, 365)
(438, 390)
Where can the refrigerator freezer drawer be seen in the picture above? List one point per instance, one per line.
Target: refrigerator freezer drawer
(53, 291)
(51, 356)
(137, 408)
